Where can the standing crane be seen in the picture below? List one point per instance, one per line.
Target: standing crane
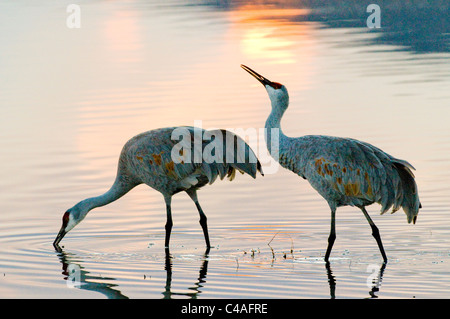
(344, 171)
(148, 159)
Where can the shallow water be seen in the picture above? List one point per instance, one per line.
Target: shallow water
(70, 98)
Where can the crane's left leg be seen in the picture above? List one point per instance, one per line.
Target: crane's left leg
(375, 233)
(169, 222)
(193, 195)
(332, 236)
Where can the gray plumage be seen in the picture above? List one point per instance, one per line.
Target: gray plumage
(344, 171)
(147, 159)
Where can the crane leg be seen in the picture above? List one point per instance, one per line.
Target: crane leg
(169, 221)
(203, 219)
(332, 236)
(375, 233)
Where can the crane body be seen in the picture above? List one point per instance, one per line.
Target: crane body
(148, 159)
(344, 171)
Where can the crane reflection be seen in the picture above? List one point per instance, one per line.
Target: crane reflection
(76, 276)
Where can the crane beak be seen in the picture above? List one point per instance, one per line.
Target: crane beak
(59, 237)
(257, 76)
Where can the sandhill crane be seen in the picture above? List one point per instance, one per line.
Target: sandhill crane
(344, 171)
(149, 158)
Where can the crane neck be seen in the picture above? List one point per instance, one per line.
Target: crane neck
(274, 135)
(117, 190)
(274, 119)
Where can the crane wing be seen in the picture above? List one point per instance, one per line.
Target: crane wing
(228, 153)
(164, 153)
(149, 153)
(355, 169)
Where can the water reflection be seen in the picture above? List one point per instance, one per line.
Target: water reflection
(77, 277)
(376, 281)
(373, 280)
(198, 284)
(331, 280)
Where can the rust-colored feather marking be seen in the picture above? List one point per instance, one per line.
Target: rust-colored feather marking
(327, 170)
(319, 161)
(157, 158)
(352, 189)
(369, 187)
(170, 167)
(345, 179)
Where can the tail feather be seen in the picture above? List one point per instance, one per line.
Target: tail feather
(236, 155)
(242, 156)
(410, 200)
(406, 165)
(387, 195)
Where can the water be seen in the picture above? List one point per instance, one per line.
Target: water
(70, 98)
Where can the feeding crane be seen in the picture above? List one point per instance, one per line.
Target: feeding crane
(344, 171)
(148, 158)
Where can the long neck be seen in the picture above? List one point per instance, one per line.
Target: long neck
(274, 135)
(117, 190)
(274, 119)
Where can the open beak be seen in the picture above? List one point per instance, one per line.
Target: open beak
(257, 76)
(59, 237)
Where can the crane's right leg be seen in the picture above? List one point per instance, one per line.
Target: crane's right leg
(332, 236)
(169, 220)
(193, 194)
(375, 233)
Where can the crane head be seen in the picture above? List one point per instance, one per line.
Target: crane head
(278, 93)
(70, 219)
